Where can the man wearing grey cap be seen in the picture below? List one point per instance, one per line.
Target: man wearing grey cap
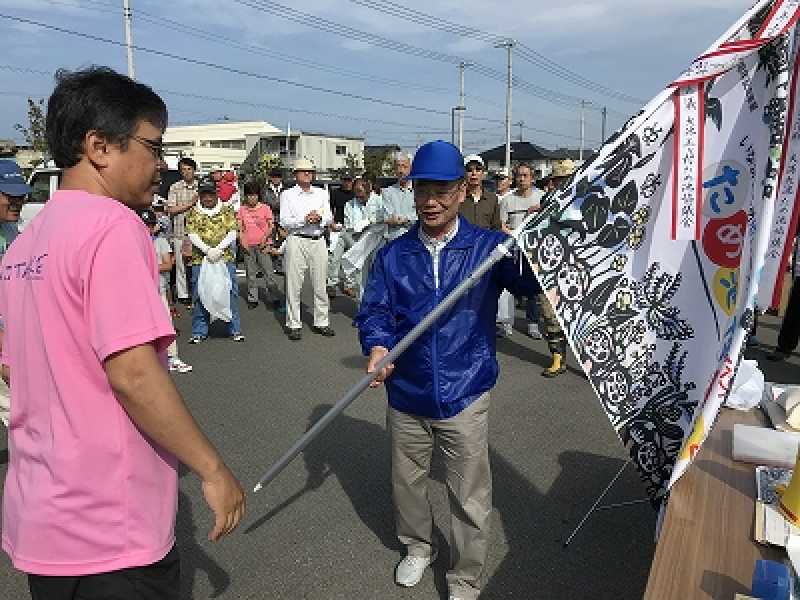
(13, 190)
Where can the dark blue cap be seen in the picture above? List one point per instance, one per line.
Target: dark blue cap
(11, 181)
(437, 161)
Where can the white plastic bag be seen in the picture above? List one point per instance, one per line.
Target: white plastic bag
(505, 308)
(748, 386)
(214, 289)
(354, 259)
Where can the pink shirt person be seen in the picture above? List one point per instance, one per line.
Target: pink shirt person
(255, 224)
(86, 491)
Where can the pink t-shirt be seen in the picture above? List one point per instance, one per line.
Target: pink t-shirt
(253, 223)
(86, 491)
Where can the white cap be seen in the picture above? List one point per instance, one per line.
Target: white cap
(471, 158)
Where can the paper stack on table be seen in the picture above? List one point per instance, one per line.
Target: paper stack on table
(770, 526)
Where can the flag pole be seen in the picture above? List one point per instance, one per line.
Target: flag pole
(502, 251)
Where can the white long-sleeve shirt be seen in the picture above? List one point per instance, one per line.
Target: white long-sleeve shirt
(296, 204)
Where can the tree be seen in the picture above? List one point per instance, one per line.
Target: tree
(260, 171)
(378, 164)
(352, 165)
(35, 134)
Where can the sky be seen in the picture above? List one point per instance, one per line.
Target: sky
(274, 61)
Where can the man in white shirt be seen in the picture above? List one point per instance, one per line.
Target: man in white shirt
(398, 199)
(356, 220)
(513, 209)
(305, 212)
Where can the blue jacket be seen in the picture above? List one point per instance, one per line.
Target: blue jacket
(453, 363)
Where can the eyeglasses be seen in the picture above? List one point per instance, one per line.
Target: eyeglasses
(441, 194)
(155, 146)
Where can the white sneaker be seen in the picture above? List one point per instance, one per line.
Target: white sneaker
(409, 570)
(177, 365)
(533, 331)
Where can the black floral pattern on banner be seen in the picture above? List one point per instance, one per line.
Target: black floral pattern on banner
(615, 323)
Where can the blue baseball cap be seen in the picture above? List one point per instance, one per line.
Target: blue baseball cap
(11, 181)
(437, 161)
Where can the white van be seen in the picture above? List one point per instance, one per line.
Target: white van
(44, 182)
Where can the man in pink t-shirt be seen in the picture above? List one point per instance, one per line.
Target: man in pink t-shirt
(97, 425)
(255, 237)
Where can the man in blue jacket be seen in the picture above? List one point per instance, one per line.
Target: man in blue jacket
(439, 388)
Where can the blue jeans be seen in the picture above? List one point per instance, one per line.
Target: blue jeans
(200, 316)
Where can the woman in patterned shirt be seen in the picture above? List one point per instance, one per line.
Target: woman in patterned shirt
(212, 228)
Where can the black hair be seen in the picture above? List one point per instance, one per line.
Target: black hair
(524, 165)
(189, 162)
(100, 99)
(252, 187)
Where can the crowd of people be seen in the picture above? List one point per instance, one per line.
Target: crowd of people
(89, 287)
(331, 237)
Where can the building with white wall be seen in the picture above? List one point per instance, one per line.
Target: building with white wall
(327, 152)
(215, 145)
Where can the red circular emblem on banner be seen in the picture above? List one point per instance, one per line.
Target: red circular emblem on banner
(723, 240)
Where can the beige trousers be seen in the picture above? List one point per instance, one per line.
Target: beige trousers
(301, 255)
(464, 442)
(181, 286)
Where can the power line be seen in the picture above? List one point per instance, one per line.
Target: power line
(229, 42)
(261, 105)
(237, 71)
(523, 51)
(303, 18)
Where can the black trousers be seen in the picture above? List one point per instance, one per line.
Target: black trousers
(790, 328)
(159, 581)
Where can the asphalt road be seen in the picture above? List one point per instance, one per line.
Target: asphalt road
(324, 528)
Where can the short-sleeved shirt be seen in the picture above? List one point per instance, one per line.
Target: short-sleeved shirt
(399, 201)
(212, 229)
(163, 249)
(86, 491)
(514, 208)
(254, 223)
(180, 193)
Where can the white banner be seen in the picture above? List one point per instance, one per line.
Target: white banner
(658, 323)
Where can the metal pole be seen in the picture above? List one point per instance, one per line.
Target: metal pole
(501, 251)
(509, 45)
(596, 503)
(583, 128)
(461, 67)
(453, 125)
(603, 125)
(520, 124)
(126, 12)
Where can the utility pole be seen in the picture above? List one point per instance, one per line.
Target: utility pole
(126, 12)
(508, 45)
(461, 108)
(520, 124)
(603, 126)
(584, 104)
